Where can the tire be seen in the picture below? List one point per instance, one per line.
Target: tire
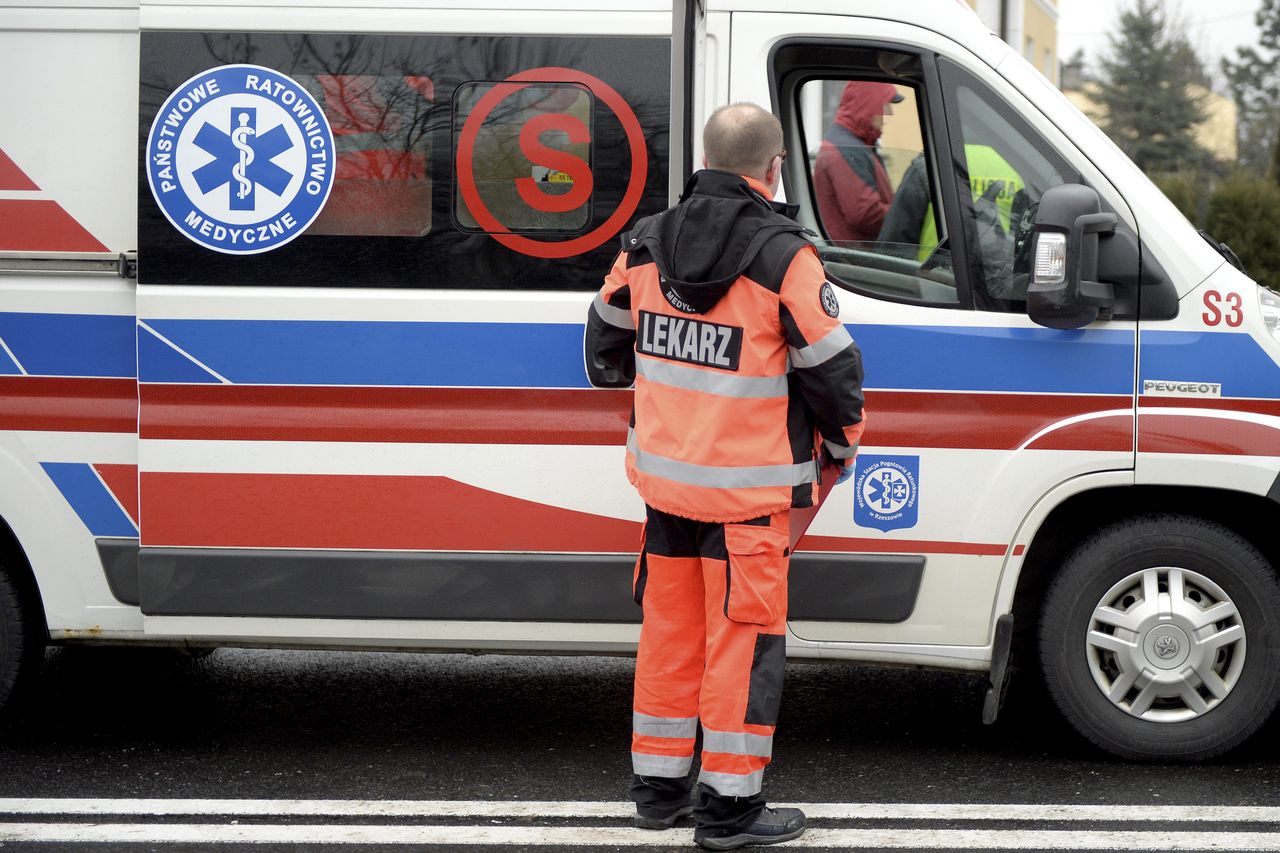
(22, 641)
(1184, 679)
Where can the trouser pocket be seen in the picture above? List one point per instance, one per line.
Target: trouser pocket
(757, 573)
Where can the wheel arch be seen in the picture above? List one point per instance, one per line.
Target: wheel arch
(1083, 512)
(14, 558)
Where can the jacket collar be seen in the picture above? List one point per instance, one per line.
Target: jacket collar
(722, 184)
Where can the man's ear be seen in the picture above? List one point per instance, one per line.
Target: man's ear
(774, 171)
(704, 161)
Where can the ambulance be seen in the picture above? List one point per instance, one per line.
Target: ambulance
(292, 298)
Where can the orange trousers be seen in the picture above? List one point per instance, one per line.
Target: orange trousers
(712, 651)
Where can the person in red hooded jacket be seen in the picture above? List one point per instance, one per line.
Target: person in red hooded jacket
(850, 180)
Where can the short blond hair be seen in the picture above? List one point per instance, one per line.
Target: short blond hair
(742, 138)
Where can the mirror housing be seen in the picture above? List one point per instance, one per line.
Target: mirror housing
(1065, 292)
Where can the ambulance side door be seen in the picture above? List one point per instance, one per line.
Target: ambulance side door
(365, 262)
(920, 170)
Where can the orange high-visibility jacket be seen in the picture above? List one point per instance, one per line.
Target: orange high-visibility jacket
(719, 311)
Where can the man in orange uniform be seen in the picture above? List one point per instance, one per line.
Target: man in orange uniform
(720, 313)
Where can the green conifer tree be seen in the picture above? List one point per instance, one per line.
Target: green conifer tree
(1254, 80)
(1148, 88)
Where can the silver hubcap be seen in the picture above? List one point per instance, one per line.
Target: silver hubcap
(1165, 645)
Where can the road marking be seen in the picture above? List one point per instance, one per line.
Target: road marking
(576, 836)
(560, 836)
(586, 809)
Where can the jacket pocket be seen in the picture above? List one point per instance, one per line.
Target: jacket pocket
(757, 574)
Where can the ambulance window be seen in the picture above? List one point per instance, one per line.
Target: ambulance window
(530, 157)
(1002, 168)
(873, 188)
(382, 179)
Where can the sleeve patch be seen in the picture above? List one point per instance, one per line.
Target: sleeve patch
(827, 295)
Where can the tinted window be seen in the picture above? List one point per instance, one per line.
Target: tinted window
(1003, 167)
(571, 149)
(873, 188)
(530, 161)
(382, 156)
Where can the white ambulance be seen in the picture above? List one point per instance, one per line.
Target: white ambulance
(291, 315)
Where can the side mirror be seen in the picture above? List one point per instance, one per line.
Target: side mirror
(1065, 292)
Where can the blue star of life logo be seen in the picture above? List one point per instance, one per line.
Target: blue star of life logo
(886, 492)
(240, 159)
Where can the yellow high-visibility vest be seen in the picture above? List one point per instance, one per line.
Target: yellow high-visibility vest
(985, 167)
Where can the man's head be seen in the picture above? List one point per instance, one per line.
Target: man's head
(746, 140)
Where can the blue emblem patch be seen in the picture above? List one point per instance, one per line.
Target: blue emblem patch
(240, 159)
(887, 492)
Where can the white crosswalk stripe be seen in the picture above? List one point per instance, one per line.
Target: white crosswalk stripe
(133, 821)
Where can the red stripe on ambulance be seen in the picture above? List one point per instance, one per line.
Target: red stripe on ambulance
(570, 416)
(13, 178)
(408, 513)
(426, 415)
(968, 421)
(58, 404)
(122, 481)
(36, 224)
(1108, 433)
(364, 512)
(1224, 404)
(1206, 435)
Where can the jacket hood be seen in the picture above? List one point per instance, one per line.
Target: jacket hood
(703, 244)
(861, 101)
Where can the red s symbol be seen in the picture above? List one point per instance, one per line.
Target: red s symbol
(1212, 313)
(578, 170)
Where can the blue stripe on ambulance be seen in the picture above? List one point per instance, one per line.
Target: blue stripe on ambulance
(159, 362)
(542, 355)
(89, 497)
(1233, 360)
(332, 352)
(98, 345)
(7, 365)
(962, 358)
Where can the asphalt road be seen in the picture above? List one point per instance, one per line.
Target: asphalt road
(890, 757)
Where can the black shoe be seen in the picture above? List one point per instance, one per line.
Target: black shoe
(646, 822)
(774, 826)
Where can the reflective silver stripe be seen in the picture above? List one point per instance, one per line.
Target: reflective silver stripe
(668, 766)
(737, 743)
(838, 452)
(678, 727)
(716, 477)
(620, 317)
(710, 382)
(832, 343)
(732, 784)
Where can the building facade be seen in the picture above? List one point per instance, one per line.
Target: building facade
(1031, 26)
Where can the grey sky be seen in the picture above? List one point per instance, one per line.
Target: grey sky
(1216, 27)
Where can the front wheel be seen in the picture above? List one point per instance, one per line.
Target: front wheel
(1160, 639)
(22, 641)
